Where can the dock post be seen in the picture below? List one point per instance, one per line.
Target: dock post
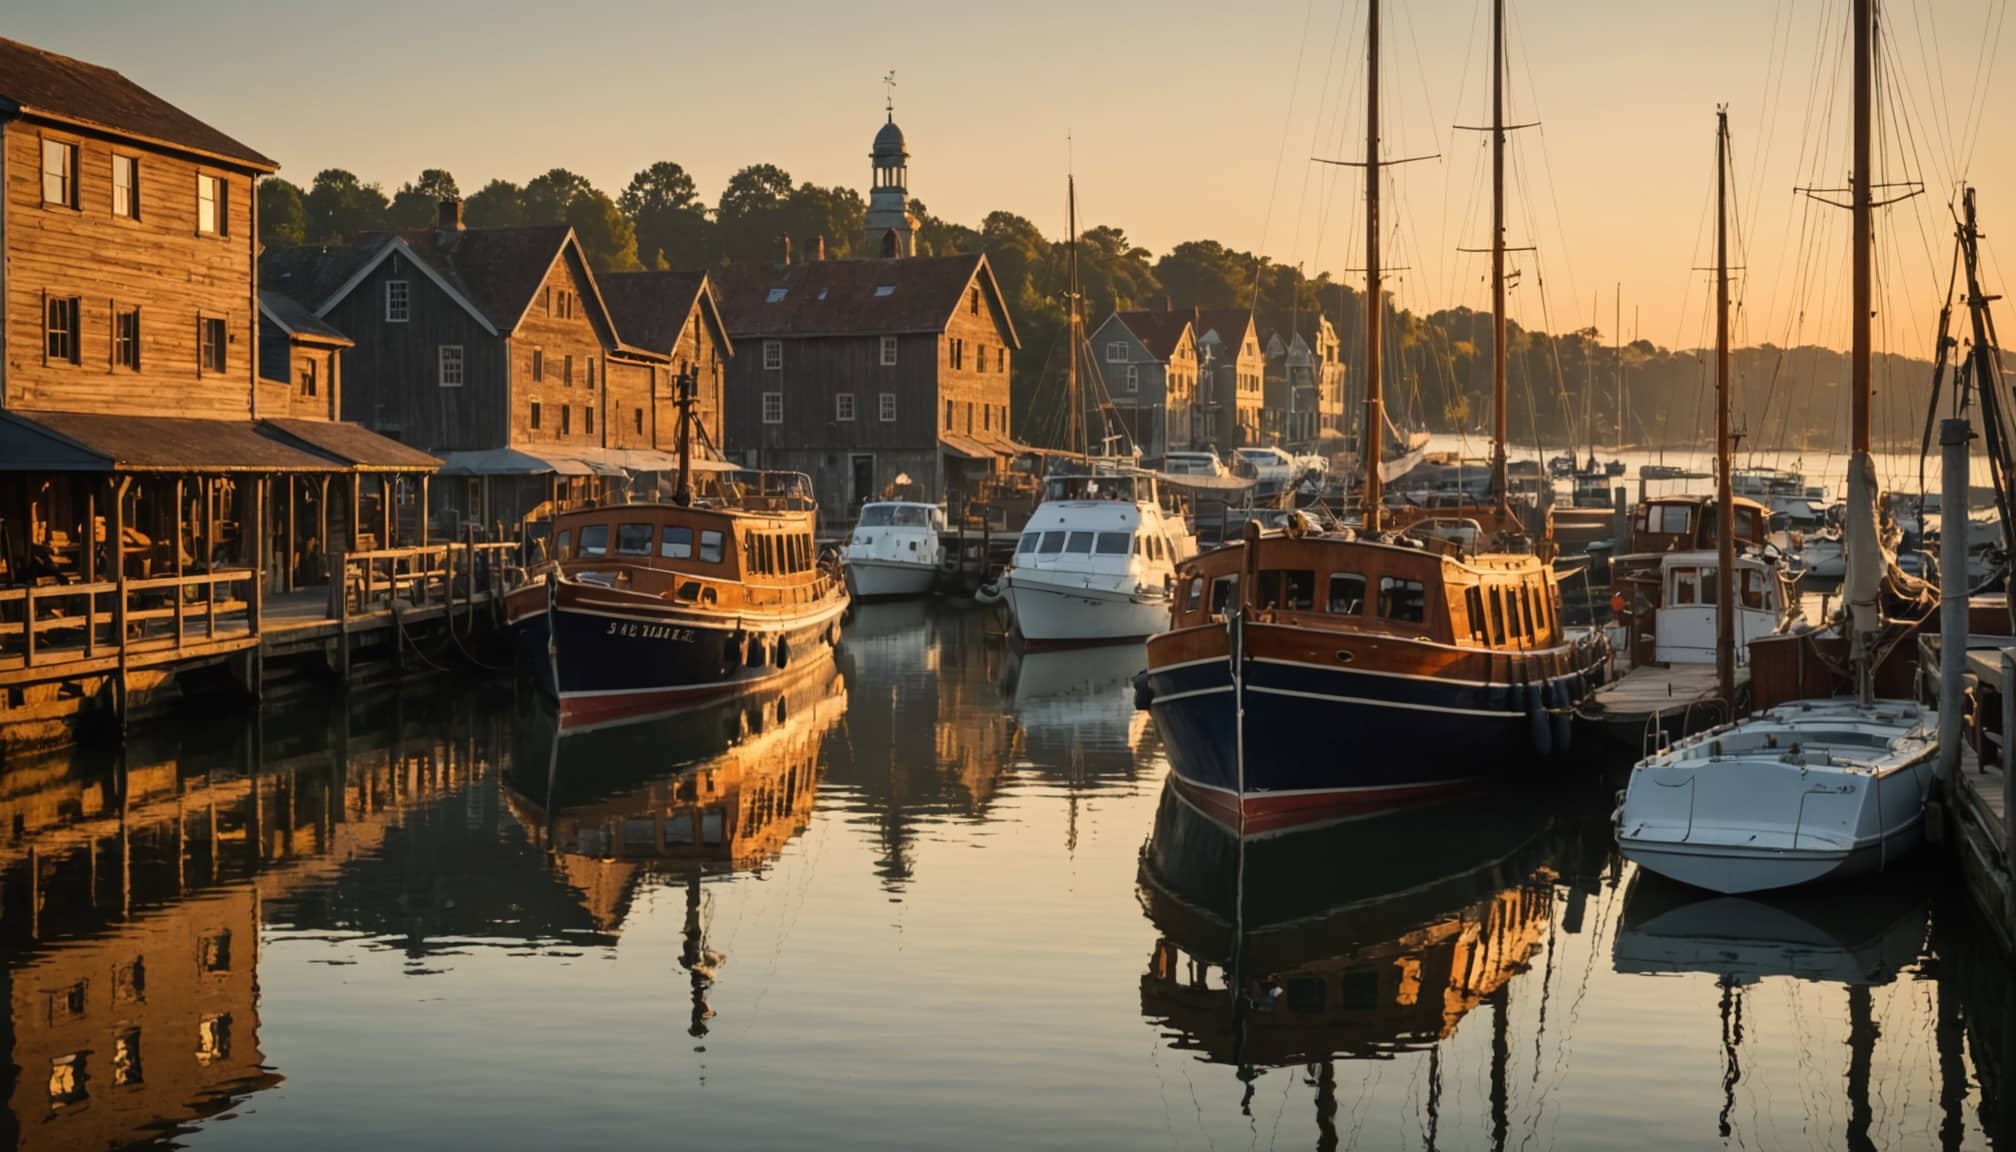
(1620, 521)
(339, 602)
(2008, 779)
(1953, 437)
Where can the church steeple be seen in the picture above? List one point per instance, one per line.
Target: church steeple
(892, 231)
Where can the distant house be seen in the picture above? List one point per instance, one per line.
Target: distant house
(679, 316)
(300, 361)
(1231, 371)
(492, 348)
(1304, 381)
(1149, 363)
(858, 371)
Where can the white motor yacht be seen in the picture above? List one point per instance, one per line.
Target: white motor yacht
(1096, 562)
(895, 549)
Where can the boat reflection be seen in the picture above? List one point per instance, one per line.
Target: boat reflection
(705, 791)
(1075, 715)
(1359, 939)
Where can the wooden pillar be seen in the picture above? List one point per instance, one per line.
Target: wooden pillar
(181, 563)
(423, 509)
(322, 510)
(356, 511)
(292, 541)
(259, 561)
(210, 555)
(385, 510)
(90, 534)
(116, 539)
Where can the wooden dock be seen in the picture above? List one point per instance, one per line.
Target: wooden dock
(1977, 820)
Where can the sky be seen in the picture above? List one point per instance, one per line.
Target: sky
(1181, 120)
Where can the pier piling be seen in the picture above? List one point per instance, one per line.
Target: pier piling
(1953, 437)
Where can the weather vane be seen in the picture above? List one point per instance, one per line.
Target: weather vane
(889, 94)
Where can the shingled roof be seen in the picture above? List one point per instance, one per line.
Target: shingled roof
(1229, 323)
(497, 269)
(1159, 332)
(295, 319)
(848, 297)
(311, 273)
(46, 86)
(651, 308)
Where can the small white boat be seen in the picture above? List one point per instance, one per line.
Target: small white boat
(895, 549)
(1097, 561)
(1802, 792)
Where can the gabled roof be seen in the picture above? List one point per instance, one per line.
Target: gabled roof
(1307, 325)
(652, 309)
(293, 317)
(853, 297)
(59, 89)
(1159, 332)
(1225, 321)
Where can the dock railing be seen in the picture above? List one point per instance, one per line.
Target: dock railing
(422, 576)
(65, 623)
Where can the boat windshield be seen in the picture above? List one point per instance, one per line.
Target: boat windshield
(895, 516)
(1098, 488)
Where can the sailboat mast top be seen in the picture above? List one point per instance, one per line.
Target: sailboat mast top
(1725, 504)
(1499, 483)
(1371, 439)
(1864, 182)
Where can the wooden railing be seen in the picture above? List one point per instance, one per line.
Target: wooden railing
(431, 575)
(69, 622)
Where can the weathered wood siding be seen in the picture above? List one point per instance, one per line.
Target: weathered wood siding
(629, 404)
(392, 377)
(979, 396)
(696, 347)
(158, 262)
(282, 394)
(546, 330)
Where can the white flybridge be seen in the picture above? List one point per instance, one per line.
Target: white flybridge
(895, 549)
(1096, 562)
(1817, 788)
(1684, 624)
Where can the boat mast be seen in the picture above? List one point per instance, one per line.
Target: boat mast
(1071, 309)
(1862, 587)
(1373, 437)
(683, 494)
(1617, 362)
(1725, 502)
(1498, 434)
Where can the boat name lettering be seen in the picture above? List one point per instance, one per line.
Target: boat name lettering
(635, 630)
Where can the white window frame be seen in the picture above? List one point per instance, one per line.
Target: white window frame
(888, 351)
(71, 154)
(1133, 378)
(398, 301)
(843, 407)
(1116, 352)
(773, 407)
(886, 407)
(213, 195)
(773, 355)
(450, 365)
(128, 207)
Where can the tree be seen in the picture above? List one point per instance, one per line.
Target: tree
(750, 216)
(607, 237)
(283, 220)
(340, 207)
(498, 204)
(837, 214)
(418, 204)
(1113, 273)
(937, 237)
(1205, 274)
(549, 195)
(1017, 250)
(672, 228)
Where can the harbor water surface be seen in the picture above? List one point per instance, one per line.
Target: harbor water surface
(931, 893)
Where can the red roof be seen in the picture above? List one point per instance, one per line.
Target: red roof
(850, 297)
(57, 88)
(1159, 332)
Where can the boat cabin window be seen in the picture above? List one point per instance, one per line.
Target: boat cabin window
(1028, 543)
(1746, 523)
(1223, 591)
(1402, 600)
(1347, 593)
(1112, 544)
(1292, 589)
(710, 546)
(1526, 611)
(1753, 587)
(676, 543)
(1196, 599)
(1079, 543)
(1473, 607)
(1670, 519)
(563, 545)
(595, 540)
(1497, 615)
(1053, 543)
(1093, 488)
(895, 516)
(1686, 585)
(633, 539)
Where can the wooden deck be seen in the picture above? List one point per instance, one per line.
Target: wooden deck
(1643, 691)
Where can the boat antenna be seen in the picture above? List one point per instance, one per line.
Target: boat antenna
(1725, 502)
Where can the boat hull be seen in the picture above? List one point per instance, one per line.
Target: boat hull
(889, 579)
(1053, 614)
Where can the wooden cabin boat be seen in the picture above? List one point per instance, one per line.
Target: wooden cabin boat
(1663, 525)
(1370, 672)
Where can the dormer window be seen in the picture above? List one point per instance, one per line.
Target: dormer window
(777, 295)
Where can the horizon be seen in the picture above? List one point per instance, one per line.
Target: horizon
(1225, 165)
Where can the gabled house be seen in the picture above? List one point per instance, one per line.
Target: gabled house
(679, 316)
(1304, 381)
(1148, 361)
(1231, 370)
(492, 348)
(856, 372)
(300, 361)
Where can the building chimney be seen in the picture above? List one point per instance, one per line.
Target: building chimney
(784, 248)
(818, 246)
(451, 215)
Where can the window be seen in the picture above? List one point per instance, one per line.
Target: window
(1116, 352)
(213, 206)
(888, 351)
(1497, 615)
(1293, 589)
(535, 415)
(210, 341)
(773, 407)
(307, 379)
(1053, 543)
(214, 953)
(973, 302)
(546, 299)
(1078, 543)
(948, 415)
(710, 546)
(213, 1038)
(125, 186)
(591, 372)
(595, 540)
(776, 295)
(67, 1079)
(588, 419)
(843, 407)
(399, 306)
(566, 420)
(633, 539)
(450, 362)
(1668, 519)
(1224, 590)
(563, 547)
(885, 289)
(126, 1058)
(1000, 360)
(1473, 607)
(1027, 545)
(1526, 611)
(1113, 544)
(60, 329)
(986, 417)
(1133, 378)
(567, 371)
(676, 542)
(773, 355)
(981, 352)
(1402, 600)
(886, 407)
(59, 173)
(1347, 593)
(126, 338)
(637, 419)
(1196, 597)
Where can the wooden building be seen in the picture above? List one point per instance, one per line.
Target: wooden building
(679, 316)
(1231, 372)
(135, 439)
(856, 372)
(492, 348)
(1303, 384)
(1149, 363)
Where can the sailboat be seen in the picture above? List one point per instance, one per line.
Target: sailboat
(1808, 789)
(1310, 674)
(1096, 563)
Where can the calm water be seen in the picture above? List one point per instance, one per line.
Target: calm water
(928, 895)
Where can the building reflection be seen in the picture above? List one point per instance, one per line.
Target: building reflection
(1356, 941)
(617, 808)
